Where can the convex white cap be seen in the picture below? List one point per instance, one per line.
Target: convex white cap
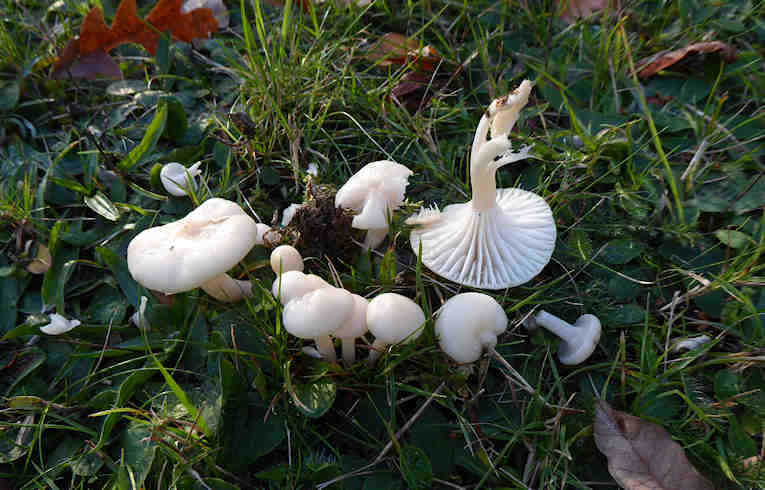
(393, 318)
(177, 179)
(195, 251)
(375, 191)
(294, 284)
(500, 238)
(286, 258)
(467, 324)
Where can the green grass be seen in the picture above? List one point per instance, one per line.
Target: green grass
(656, 187)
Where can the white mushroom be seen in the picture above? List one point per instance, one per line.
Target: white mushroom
(195, 251)
(500, 238)
(59, 324)
(177, 179)
(393, 318)
(316, 315)
(354, 327)
(578, 340)
(294, 284)
(467, 324)
(375, 191)
(286, 258)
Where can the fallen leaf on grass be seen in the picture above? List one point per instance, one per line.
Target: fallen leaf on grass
(578, 9)
(429, 73)
(654, 64)
(397, 49)
(86, 55)
(642, 455)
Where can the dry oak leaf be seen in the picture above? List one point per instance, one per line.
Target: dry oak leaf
(653, 64)
(642, 455)
(96, 38)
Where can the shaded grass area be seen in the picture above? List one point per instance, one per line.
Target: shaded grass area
(656, 186)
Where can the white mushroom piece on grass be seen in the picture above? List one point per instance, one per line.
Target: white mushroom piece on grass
(469, 323)
(578, 341)
(195, 251)
(374, 192)
(392, 319)
(500, 238)
(177, 179)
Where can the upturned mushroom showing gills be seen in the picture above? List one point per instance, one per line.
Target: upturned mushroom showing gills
(467, 324)
(500, 238)
(375, 191)
(195, 251)
(578, 341)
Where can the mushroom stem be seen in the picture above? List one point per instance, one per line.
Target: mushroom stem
(374, 214)
(562, 329)
(378, 347)
(374, 237)
(224, 288)
(326, 348)
(349, 350)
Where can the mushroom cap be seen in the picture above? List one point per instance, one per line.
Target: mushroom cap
(294, 284)
(467, 324)
(356, 324)
(184, 254)
(286, 258)
(374, 191)
(393, 318)
(578, 350)
(504, 246)
(317, 313)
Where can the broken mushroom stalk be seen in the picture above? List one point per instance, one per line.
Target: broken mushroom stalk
(500, 238)
(578, 341)
(195, 251)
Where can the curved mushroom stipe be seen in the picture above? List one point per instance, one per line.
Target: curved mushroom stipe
(227, 289)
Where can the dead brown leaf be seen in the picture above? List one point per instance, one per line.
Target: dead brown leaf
(653, 64)
(86, 55)
(579, 9)
(397, 49)
(642, 455)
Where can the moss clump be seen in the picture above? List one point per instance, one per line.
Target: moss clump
(323, 229)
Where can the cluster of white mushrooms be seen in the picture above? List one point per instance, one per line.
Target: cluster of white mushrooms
(500, 238)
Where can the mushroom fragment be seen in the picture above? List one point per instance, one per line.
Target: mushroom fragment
(392, 318)
(177, 179)
(59, 324)
(500, 238)
(578, 340)
(467, 324)
(195, 251)
(375, 191)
